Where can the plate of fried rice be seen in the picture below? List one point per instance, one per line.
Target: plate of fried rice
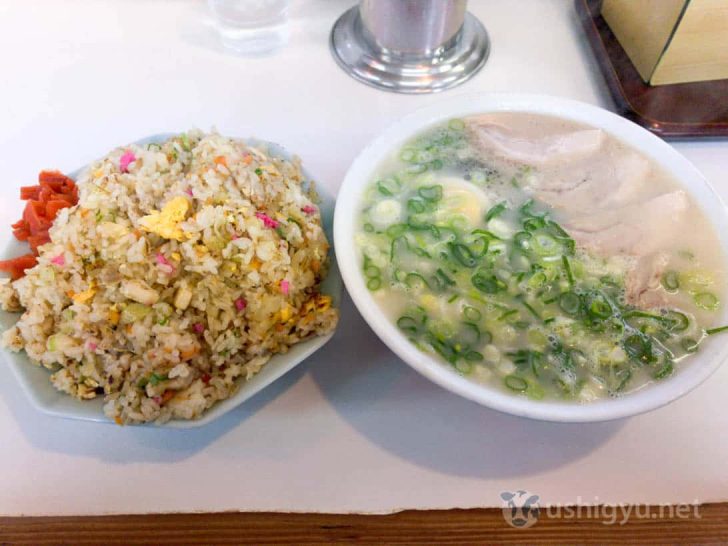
(193, 271)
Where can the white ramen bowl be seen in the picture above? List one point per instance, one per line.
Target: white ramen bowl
(346, 224)
(34, 380)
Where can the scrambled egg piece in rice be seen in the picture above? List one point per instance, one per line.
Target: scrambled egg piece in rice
(165, 223)
(184, 267)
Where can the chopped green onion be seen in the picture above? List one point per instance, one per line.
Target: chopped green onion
(463, 254)
(413, 279)
(600, 308)
(486, 233)
(638, 347)
(533, 223)
(489, 284)
(537, 280)
(156, 378)
(677, 321)
(508, 314)
(495, 211)
(484, 244)
(525, 208)
(444, 349)
(706, 300)
(442, 280)
(372, 271)
(471, 313)
(545, 245)
(717, 330)
(473, 356)
(567, 269)
(665, 371)
(398, 242)
(407, 154)
(407, 324)
(395, 230)
(671, 280)
(421, 252)
(569, 303)
(415, 206)
(430, 193)
(515, 383)
(387, 187)
(374, 283)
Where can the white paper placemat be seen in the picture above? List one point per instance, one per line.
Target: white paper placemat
(352, 429)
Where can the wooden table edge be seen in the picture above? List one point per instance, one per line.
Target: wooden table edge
(704, 524)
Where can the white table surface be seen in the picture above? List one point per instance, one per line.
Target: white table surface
(353, 428)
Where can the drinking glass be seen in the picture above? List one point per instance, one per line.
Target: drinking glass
(251, 26)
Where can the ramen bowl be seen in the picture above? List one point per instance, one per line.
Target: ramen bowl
(346, 227)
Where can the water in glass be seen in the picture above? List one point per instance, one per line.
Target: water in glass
(251, 26)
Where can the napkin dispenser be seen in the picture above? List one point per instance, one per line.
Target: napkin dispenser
(672, 41)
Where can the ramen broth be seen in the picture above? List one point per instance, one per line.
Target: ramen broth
(540, 256)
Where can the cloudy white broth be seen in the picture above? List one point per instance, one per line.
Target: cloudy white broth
(540, 256)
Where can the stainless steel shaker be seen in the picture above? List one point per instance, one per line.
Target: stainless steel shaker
(410, 46)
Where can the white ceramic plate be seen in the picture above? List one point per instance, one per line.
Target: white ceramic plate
(712, 352)
(34, 380)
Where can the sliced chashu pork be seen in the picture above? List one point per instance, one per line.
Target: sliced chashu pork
(611, 180)
(642, 284)
(638, 229)
(597, 194)
(495, 138)
(641, 230)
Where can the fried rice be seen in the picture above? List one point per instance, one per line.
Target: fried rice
(184, 267)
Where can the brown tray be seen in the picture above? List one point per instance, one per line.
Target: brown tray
(670, 111)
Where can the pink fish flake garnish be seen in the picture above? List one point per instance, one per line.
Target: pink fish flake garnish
(92, 346)
(308, 209)
(188, 191)
(240, 304)
(164, 264)
(126, 160)
(59, 260)
(157, 399)
(198, 327)
(267, 220)
(284, 287)
(234, 237)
